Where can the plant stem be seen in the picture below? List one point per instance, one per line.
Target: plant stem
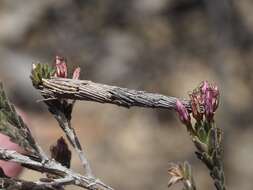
(53, 167)
(73, 139)
(62, 88)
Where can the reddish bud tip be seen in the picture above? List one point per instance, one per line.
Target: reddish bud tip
(211, 102)
(210, 94)
(61, 67)
(61, 153)
(195, 105)
(204, 86)
(183, 113)
(76, 73)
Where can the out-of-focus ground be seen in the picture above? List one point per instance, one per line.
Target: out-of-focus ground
(163, 46)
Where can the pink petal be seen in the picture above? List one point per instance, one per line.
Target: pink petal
(76, 73)
(61, 67)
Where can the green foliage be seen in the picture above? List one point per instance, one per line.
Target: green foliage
(12, 125)
(39, 72)
(206, 136)
(207, 139)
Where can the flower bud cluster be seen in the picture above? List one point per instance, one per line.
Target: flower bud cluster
(204, 103)
(62, 69)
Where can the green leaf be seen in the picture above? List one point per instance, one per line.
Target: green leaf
(207, 126)
(198, 125)
(201, 147)
(212, 141)
(12, 125)
(187, 170)
(39, 72)
(202, 135)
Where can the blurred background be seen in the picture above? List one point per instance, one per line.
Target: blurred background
(163, 46)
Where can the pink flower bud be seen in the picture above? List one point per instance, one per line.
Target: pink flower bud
(211, 100)
(195, 105)
(209, 111)
(61, 67)
(216, 95)
(76, 73)
(183, 113)
(204, 86)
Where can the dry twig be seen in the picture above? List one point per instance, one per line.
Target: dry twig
(51, 166)
(90, 91)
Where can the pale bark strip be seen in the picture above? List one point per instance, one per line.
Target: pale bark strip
(55, 182)
(17, 184)
(73, 139)
(53, 167)
(41, 152)
(90, 91)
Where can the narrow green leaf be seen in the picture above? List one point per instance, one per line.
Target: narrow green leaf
(39, 72)
(12, 125)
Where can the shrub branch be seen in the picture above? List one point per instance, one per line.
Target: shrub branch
(60, 94)
(73, 139)
(91, 91)
(53, 167)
